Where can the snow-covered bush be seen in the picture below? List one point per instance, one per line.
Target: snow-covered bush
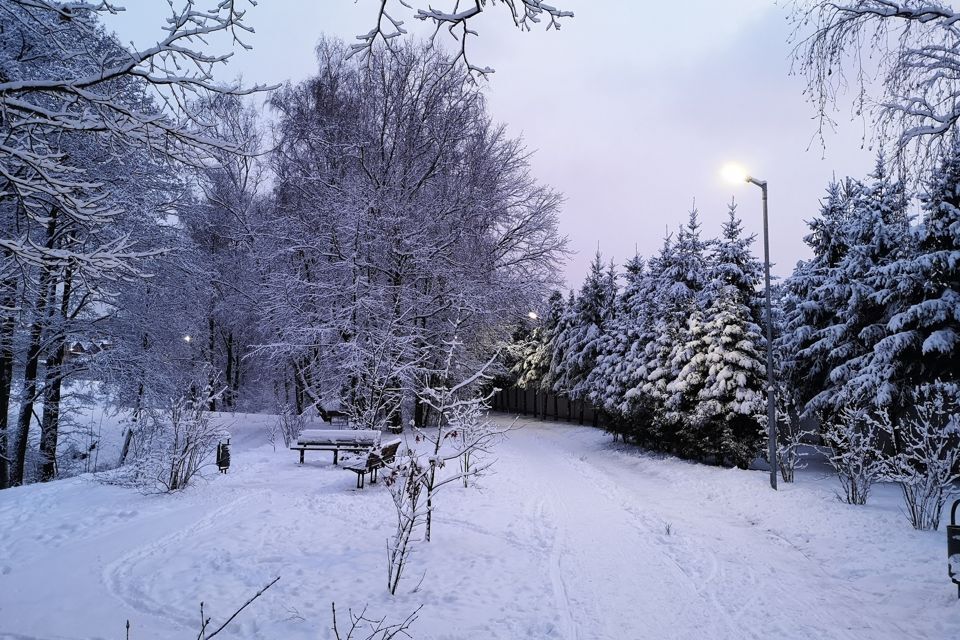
(927, 462)
(187, 439)
(289, 424)
(173, 443)
(855, 453)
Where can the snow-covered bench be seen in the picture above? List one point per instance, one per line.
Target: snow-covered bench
(376, 459)
(336, 440)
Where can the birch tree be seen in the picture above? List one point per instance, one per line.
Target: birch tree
(899, 59)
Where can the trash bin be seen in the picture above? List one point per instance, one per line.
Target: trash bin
(953, 546)
(223, 456)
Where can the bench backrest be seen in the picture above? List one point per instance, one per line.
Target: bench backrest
(383, 455)
(388, 451)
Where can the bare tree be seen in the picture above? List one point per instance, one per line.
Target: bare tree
(396, 203)
(899, 58)
(456, 20)
(460, 434)
(75, 104)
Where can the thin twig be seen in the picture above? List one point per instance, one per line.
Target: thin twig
(245, 604)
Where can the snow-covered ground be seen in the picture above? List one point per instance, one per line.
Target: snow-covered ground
(571, 537)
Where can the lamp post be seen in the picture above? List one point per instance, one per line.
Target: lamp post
(736, 174)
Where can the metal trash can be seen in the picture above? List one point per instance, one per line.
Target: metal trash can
(223, 456)
(953, 546)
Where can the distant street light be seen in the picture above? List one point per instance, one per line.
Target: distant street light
(735, 173)
(533, 315)
(187, 338)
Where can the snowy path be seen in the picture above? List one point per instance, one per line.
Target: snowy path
(708, 577)
(572, 538)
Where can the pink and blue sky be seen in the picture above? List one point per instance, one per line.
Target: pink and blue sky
(632, 108)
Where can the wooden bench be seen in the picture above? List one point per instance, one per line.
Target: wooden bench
(376, 459)
(336, 440)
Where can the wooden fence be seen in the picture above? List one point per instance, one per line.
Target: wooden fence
(547, 406)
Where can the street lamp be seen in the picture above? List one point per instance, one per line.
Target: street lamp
(533, 315)
(735, 173)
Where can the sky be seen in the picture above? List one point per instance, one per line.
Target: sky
(631, 110)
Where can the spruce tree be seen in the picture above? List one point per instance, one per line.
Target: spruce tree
(877, 231)
(922, 344)
(731, 401)
(602, 381)
(731, 358)
(582, 339)
(680, 282)
(534, 354)
(558, 377)
(803, 346)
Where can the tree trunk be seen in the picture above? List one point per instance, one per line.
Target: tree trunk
(228, 399)
(211, 349)
(297, 390)
(235, 382)
(33, 360)
(53, 389)
(429, 488)
(8, 302)
(408, 407)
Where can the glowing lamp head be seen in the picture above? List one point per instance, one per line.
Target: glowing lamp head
(533, 315)
(187, 338)
(734, 173)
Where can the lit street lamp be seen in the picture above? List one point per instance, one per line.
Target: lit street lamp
(533, 315)
(733, 173)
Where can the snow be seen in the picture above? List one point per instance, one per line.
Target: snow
(328, 436)
(571, 537)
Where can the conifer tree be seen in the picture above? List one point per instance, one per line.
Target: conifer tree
(876, 233)
(922, 344)
(681, 280)
(805, 352)
(731, 400)
(558, 374)
(622, 352)
(724, 369)
(581, 340)
(533, 362)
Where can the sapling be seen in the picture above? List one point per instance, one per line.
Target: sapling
(790, 435)
(462, 433)
(855, 453)
(405, 482)
(457, 409)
